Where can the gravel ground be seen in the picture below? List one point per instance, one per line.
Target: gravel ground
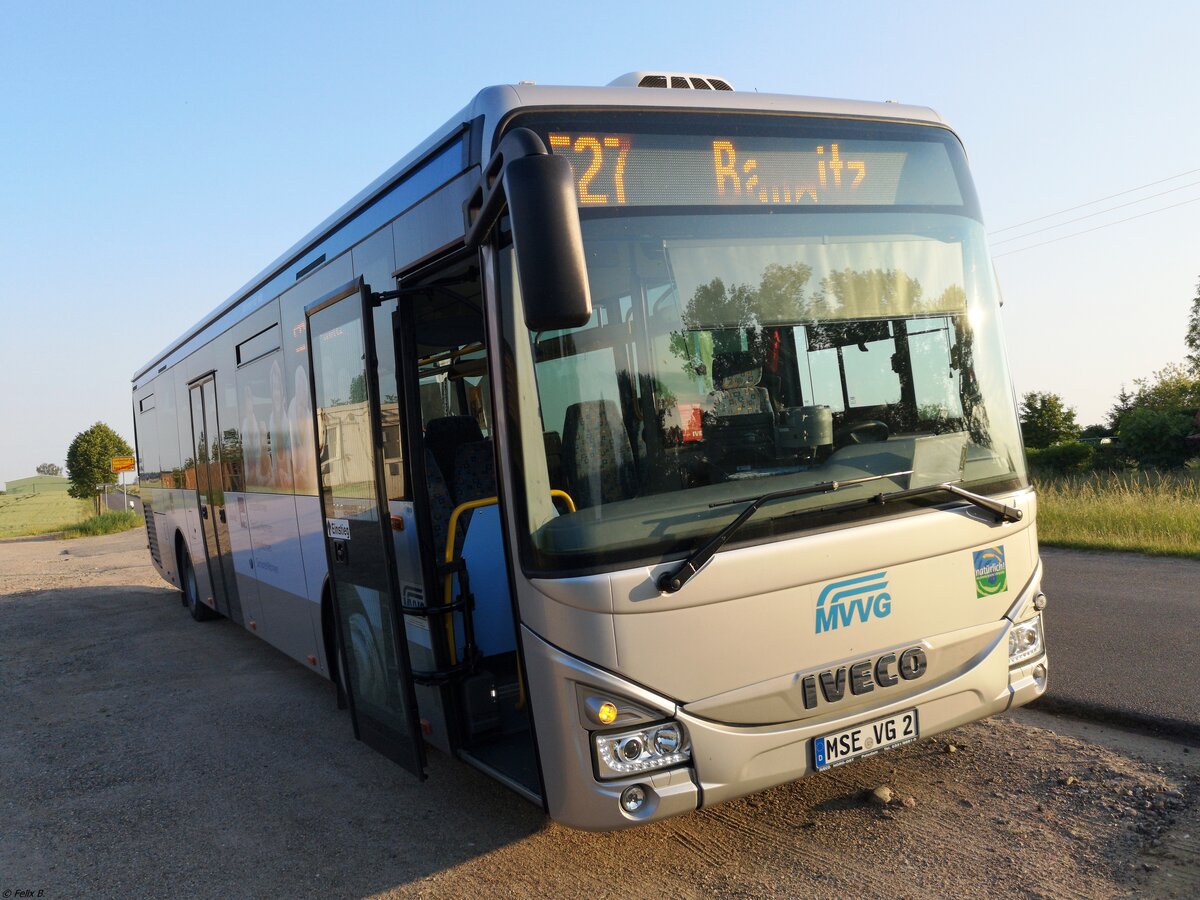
(144, 754)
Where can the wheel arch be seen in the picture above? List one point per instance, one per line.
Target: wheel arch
(328, 630)
(181, 548)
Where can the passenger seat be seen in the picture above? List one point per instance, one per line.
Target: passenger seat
(597, 458)
(443, 437)
(474, 479)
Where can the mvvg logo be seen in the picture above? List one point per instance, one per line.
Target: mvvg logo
(841, 602)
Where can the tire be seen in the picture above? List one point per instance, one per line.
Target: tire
(191, 590)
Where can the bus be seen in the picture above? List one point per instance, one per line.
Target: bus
(642, 446)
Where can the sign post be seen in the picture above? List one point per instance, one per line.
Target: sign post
(121, 465)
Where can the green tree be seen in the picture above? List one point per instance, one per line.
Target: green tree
(1123, 404)
(1171, 389)
(49, 469)
(1192, 339)
(1156, 437)
(1046, 420)
(89, 459)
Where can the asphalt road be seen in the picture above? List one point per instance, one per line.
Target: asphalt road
(1124, 638)
(116, 501)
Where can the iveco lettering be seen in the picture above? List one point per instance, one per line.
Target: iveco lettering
(640, 446)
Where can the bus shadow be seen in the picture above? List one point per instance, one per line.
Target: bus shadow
(128, 725)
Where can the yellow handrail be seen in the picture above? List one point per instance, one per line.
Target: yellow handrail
(448, 592)
(563, 495)
(451, 534)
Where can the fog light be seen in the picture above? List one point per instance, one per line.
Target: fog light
(1025, 641)
(632, 798)
(1039, 675)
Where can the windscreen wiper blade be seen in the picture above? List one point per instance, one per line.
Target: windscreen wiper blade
(670, 582)
(1002, 512)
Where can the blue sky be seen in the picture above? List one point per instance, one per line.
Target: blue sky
(156, 156)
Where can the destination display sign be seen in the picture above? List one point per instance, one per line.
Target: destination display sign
(714, 170)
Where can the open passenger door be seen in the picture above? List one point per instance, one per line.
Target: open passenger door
(374, 664)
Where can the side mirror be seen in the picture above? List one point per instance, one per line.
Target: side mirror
(548, 241)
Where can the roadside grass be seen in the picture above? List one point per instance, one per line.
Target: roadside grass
(23, 514)
(105, 523)
(1157, 513)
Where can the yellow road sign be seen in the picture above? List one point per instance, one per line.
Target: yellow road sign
(123, 464)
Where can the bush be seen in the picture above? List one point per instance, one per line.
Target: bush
(1110, 458)
(1061, 459)
(1156, 438)
(105, 523)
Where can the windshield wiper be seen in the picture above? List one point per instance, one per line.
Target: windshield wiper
(670, 582)
(1002, 512)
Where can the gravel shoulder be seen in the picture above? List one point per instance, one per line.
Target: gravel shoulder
(143, 753)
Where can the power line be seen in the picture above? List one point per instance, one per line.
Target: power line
(1092, 202)
(1097, 213)
(1097, 228)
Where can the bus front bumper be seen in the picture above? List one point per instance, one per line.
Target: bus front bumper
(727, 761)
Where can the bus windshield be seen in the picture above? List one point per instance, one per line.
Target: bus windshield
(759, 325)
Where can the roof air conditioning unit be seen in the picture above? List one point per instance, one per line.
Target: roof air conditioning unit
(678, 80)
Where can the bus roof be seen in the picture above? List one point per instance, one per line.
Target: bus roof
(494, 104)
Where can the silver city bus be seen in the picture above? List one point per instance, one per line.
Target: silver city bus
(642, 446)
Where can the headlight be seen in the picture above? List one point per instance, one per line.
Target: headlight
(651, 747)
(1025, 641)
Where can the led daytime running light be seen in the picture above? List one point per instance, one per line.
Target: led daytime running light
(1025, 641)
(613, 751)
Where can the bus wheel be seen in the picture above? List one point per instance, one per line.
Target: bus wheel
(191, 591)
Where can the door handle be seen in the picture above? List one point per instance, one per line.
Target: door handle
(221, 513)
(204, 512)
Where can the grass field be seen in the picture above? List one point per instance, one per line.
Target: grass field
(39, 513)
(106, 523)
(1142, 512)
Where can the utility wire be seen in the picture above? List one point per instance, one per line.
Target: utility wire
(1097, 228)
(1097, 213)
(1092, 202)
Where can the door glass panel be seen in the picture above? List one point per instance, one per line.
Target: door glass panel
(221, 467)
(357, 534)
(203, 448)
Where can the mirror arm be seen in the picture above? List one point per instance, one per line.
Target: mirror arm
(481, 211)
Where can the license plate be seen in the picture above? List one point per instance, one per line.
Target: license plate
(867, 739)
